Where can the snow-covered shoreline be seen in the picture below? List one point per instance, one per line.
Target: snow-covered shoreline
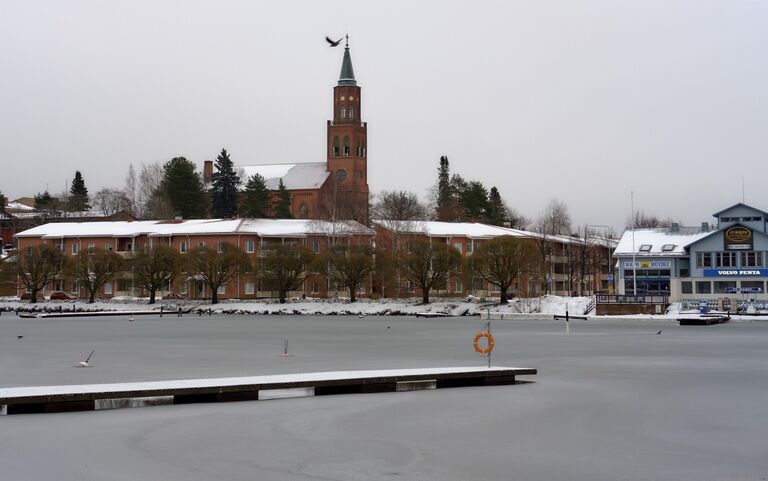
(547, 305)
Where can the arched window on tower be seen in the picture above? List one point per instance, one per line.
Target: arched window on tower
(342, 112)
(363, 151)
(351, 112)
(359, 151)
(346, 146)
(303, 211)
(335, 146)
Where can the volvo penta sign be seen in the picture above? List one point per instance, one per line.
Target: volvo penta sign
(735, 272)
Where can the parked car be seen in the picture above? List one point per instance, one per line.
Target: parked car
(60, 296)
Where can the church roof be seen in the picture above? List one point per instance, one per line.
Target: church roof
(347, 76)
(295, 176)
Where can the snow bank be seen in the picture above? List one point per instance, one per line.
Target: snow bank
(366, 307)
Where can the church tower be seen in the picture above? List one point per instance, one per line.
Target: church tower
(348, 145)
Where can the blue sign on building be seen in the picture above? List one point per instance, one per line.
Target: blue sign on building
(733, 272)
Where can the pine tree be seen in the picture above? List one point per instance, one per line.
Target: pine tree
(256, 202)
(225, 186)
(45, 201)
(183, 188)
(78, 200)
(497, 211)
(474, 200)
(3, 202)
(282, 204)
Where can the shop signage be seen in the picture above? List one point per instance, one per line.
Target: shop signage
(735, 272)
(738, 238)
(648, 264)
(736, 290)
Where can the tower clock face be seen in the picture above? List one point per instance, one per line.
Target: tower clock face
(342, 98)
(341, 175)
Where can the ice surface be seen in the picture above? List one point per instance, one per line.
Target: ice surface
(612, 401)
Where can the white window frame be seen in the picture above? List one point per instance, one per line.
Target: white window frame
(250, 288)
(75, 248)
(249, 246)
(183, 247)
(108, 288)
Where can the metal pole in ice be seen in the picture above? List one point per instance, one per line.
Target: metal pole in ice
(567, 321)
(489, 340)
(285, 349)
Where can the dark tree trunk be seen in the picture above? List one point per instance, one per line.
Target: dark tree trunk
(503, 299)
(33, 299)
(214, 296)
(281, 295)
(92, 297)
(425, 295)
(152, 296)
(352, 297)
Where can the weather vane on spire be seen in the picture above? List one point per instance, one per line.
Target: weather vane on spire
(335, 43)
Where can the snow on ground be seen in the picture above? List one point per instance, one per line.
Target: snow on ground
(450, 307)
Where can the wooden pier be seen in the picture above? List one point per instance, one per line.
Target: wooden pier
(91, 397)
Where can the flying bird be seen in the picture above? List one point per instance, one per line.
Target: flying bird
(19, 337)
(333, 43)
(658, 333)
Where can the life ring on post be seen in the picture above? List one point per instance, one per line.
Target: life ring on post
(476, 345)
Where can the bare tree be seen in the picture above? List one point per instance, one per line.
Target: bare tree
(92, 268)
(428, 266)
(646, 221)
(111, 201)
(132, 190)
(152, 198)
(217, 267)
(554, 220)
(500, 260)
(37, 266)
(155, 268)
(349, 265)
(284, 267)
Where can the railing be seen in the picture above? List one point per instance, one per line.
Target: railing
(631, 299)
(590, 306)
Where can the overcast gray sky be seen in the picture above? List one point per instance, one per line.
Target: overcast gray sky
(579, 100)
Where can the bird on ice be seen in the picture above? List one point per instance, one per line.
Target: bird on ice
(19, 337)
(658, 333)
(85, 363)
(333, 43)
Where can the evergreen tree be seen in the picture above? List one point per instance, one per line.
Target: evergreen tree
(474, 200)
(183, 188)
(497, 211)
(282, 204)
(78, 200)
(45, 201)
(3, 203)
(225, 186)
(256, 202)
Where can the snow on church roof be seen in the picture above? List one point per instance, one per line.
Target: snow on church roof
(295, 176)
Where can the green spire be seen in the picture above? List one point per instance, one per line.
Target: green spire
(347, 76)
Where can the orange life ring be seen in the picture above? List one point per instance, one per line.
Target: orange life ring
(487, 349)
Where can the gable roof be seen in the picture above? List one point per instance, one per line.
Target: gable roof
(310, 175)
(657, 238)
(740, 204)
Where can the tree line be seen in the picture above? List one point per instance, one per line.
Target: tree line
(282, 267)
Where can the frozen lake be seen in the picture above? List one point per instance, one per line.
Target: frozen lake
(612, 401)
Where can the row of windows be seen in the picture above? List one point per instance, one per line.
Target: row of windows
(719, 287)
(741, 219)
(347, 112)
(729, 259)
(347, 148)
(647, 273)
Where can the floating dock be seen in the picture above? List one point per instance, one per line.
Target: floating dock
(92, 397)
(703, 320)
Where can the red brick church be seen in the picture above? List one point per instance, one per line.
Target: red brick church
(336, 188)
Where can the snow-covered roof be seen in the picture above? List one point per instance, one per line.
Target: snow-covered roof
(295, 176)
(302, 227)
(154, 228)
(18, 206)
(662, 241)
(475, 230)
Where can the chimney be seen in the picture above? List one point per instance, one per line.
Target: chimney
(508, 225)
(207, 171)
(178, 218)
(705, 226)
